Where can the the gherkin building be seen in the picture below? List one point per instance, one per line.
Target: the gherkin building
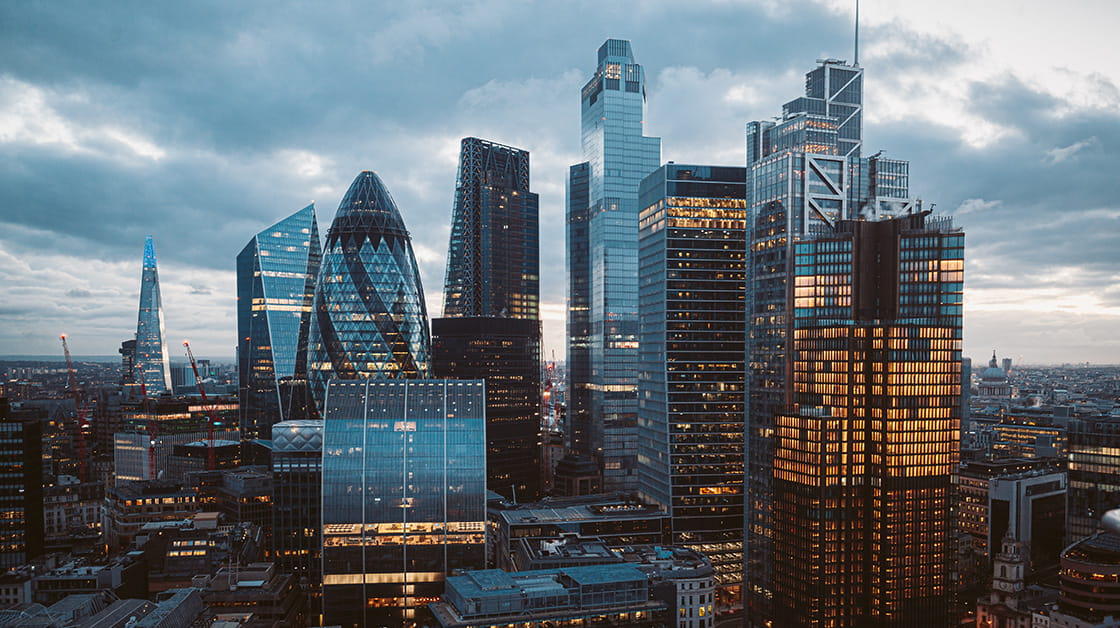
(369, 318)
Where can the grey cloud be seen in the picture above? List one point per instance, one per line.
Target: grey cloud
(231, 92)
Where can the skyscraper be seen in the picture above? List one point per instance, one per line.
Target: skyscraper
(491, 328)
(368, 318)
(603, 264)
(691, 400)
(404, 495)
(493, 260)
(276, 273)
(806, 174)
(864, 457)
(152, 366)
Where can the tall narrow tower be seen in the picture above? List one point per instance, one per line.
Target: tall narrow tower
(276, 273)
(152, 365)
(603, 265)
(491, 327)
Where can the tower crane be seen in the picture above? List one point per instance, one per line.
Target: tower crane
(81, 408)
(205, 409)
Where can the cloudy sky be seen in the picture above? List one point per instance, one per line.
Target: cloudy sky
(201, 123)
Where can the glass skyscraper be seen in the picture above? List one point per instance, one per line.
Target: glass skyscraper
(491, 326)
(404, 495)
(806, 174)
(693, 251)
(865, 456)
(152, 366)
(603, 264)
(276, 273)
(369, 318)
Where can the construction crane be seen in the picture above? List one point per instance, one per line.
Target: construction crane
(80, 407)
(205, 409)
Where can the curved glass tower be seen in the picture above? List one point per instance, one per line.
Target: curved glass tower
(276, 274)
(369, 318)
(153, 366)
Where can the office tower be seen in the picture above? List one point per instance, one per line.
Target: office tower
(404, 495)
(506, 354)
(493, 261)
(276, 273)
(805, 175)
(1094, 469)
(864, 458)
(152, 367)
(22, 529)
(297, 480)
(692, 270)
(603, 264)
(491, 326)
(368, 318)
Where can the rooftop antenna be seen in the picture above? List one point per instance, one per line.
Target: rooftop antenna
(857, 35)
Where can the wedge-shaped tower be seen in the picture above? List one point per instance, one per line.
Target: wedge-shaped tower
(369, 318)
(152, 366)
(276, 274)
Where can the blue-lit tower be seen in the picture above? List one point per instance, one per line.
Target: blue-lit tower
(276, 273)
(152, 364)
(368, 318)
(603, 265)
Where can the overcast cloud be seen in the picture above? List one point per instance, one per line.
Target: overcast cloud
(203, 123)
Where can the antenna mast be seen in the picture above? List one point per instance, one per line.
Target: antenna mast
(857, 35)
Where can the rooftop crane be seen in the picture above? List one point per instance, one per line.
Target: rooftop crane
(80, 407)
(205, 409)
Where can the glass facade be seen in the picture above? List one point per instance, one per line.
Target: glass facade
(297, 481)
(152, 366)
(493, 261)
(369, 318)
(865, 457)
(1094, 473)
(491, 328)
(618, 156)
(276, 273)
(805, 175)
(404, 495)
(506, 353)
(692, 277)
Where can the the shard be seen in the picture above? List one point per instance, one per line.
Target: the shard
(368, 319)
(152, 365)
(276, 274)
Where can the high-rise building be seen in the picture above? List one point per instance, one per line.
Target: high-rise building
(493, 260)
(805, 175)
(603, 264)
(22, 528)
(297, 480)
(692, 274)
(404, 495)
(864, 457)
(152, 366)
(276, 273)
(369, 318)
(491, 326)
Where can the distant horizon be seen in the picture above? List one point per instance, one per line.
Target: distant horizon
(106, 359)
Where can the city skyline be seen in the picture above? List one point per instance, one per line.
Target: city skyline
(1016, 143)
